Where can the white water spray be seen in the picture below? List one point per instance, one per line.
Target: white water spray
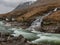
(55, 9)
(36, 25)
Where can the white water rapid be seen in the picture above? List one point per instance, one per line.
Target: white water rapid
(31, 33)
(36, 25)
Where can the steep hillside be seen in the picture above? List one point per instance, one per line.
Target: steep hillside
(54, 17)
(30, 10)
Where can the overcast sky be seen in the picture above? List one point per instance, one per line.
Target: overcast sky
(8, 5)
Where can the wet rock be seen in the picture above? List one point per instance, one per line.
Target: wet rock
(51, 23)
(11, 40)
(50, 28)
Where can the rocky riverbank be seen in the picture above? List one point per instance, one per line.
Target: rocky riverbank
(7, 39)
(51, 23)
(27, 18)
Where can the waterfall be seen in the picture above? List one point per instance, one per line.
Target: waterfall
(55, 9)
(36, 25)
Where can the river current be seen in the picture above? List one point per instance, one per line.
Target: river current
(31, 34)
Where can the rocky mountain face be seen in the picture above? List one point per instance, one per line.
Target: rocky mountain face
(27, 13)
(23, 6)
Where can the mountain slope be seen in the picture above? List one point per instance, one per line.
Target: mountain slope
(28, 10)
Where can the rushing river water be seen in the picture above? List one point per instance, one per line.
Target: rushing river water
(31, 34)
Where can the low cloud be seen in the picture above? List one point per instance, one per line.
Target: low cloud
(8, 5)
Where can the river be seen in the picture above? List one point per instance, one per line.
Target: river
(31, 33)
